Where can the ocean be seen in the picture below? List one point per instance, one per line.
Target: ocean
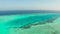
(12, 22)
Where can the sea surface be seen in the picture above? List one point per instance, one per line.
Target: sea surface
(16, 23)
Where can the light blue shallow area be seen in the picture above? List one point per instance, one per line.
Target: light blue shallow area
(11, 21)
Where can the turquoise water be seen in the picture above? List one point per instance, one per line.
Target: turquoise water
(11, 21)
(19, 20)
(28, 20)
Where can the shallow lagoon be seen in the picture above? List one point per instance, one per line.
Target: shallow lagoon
(8, 22)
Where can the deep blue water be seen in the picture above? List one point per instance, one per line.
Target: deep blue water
(10, 12)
